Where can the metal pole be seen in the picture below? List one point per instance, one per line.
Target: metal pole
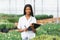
(16, 5)
(42, 6)
(34, 6)
(9, 6)
(24, 2)
(57, 11)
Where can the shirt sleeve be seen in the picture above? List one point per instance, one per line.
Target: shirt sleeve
(34, 20)
(19, 23)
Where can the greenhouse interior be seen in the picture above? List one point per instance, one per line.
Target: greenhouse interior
(46, 12)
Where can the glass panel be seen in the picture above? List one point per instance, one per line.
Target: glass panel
(4, 6)
(59, 8)
(20, 6)
(38, 7)
(13, 8)
(50, 7)
(17, 6)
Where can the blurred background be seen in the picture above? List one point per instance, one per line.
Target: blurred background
(47, 13)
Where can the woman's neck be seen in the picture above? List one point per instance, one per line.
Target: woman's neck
(27, 15)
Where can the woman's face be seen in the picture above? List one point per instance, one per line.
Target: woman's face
(28, 10)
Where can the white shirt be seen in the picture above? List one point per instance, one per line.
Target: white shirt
(23, 22)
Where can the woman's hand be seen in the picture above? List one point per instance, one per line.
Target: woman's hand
(32, 26)
(25, 29)
(22, 30)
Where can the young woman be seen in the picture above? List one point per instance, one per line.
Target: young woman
(26, 21)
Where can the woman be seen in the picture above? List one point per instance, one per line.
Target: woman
(26, 21)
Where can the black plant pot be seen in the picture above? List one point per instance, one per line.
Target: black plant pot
(4, 30)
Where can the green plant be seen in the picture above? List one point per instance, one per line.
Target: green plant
(50, 16)
(48, 32)
(7, 26)
(38, 17)
(2, 26)
(13, 19)
(9, 18)
(46, 37)
(51, 29)
(11, 35)
(10, 25)
(4, 21)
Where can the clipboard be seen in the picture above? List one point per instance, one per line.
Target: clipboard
(35, 26)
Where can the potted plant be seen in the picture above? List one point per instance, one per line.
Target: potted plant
(3, 28)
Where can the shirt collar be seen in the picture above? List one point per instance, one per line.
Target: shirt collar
(28, 19)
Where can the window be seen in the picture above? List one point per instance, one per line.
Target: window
(41, 6)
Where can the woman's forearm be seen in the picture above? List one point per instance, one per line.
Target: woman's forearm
(20, 30)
